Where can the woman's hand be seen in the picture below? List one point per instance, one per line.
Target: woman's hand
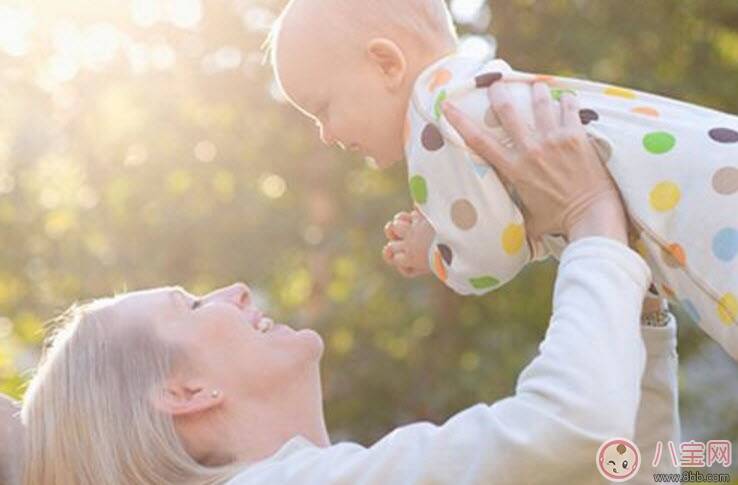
(563, 186)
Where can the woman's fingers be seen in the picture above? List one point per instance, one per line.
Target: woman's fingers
(504, 106)
(570, 111)
(543, 108)
(478, 140)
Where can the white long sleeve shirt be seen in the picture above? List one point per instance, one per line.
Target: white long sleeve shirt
(581, 390)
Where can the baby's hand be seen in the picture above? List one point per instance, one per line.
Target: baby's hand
(410, 236)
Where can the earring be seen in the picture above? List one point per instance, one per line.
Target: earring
(215, 394)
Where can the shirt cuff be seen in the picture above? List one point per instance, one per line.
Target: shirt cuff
(661, 341)
(602, 248)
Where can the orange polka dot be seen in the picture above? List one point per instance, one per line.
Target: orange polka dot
(669, 293)
(439, 78)
(544, 78)
(439, 267)
(620, 92)
(677, 252)
(645, 110)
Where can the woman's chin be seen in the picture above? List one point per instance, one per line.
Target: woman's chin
(312, 342)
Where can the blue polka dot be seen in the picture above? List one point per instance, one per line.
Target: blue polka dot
(725, 244)
(691, 310)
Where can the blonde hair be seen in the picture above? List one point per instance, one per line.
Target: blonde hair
(88, 413)
(11, 435)
(426, 22)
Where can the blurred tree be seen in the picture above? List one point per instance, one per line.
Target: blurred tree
(143, 143)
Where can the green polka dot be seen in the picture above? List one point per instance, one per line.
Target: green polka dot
(418, 189)
(659, 142)
(439, 101)
(556, 94)
(484, 282)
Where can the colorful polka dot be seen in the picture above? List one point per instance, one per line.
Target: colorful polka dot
(488, 79)
(463, 214)
(665, 196)
(513, 238)
(491, 119)
(659, 142)
(620, 92)
(728, 309)
(725, 181)
(691, 311)
(484, 282)
(674, 256)
(431, 138)
(419, 189)
(647, 111)
(556, 94)
(439, 78)
(588, 116)
(668, 293)
(439, 102)
(544, 78)
(440, 269)
(725, 244)
(724, 135)
(446, 254)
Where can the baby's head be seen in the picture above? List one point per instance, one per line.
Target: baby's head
(351, 66)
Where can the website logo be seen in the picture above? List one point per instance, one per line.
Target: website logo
(618, 459)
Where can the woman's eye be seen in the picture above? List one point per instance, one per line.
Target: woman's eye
(196, 304)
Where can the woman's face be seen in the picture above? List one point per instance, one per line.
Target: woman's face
(228, 343)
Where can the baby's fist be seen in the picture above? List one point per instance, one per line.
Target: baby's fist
(410, 236)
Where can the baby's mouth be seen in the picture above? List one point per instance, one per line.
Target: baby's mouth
(265, 324)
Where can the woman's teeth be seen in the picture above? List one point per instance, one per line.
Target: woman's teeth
(265, 324)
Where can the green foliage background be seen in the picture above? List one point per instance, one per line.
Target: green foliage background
(168, 160)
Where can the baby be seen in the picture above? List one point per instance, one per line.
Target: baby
(373, 74)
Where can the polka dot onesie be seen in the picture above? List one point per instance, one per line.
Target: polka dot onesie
(676, 165)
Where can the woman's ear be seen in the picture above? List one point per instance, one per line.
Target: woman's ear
(389, 59)
(182, 398)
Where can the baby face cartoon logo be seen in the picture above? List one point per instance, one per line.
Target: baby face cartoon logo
(618, 459)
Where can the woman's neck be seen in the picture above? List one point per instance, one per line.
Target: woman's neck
(262, 427)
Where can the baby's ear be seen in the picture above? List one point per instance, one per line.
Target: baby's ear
(390, 60)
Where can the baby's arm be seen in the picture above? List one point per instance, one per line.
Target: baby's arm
(409, 236)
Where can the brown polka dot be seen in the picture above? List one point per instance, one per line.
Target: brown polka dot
(446, 254)
(725, 181)
(463, 214)
(491, 119)
(588, 115)
(488, 79)
(431, 138)
(724, 135)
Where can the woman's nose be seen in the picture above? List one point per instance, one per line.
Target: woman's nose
(239, 294)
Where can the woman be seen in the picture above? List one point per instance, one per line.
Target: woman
(160, 387)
